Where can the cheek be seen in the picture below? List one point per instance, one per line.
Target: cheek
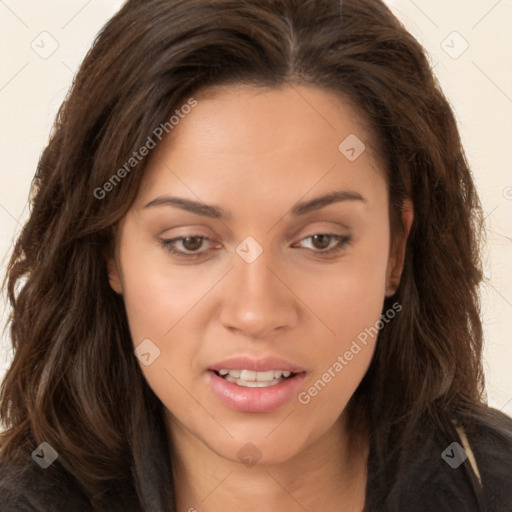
(165, 304)
(158, 295)
(349, 302)
(348, 296)
(159, 304)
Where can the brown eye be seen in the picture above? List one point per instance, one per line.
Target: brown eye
(187, 246)
(192, 243)
(325, 244)
(321, 242)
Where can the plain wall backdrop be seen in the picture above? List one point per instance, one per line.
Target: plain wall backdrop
(469, 41)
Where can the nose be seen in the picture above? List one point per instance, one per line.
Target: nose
(257, 302)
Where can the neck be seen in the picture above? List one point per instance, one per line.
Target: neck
(328, 475)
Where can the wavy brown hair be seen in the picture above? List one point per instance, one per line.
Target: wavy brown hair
(74, 381)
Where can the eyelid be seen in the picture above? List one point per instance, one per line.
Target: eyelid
(330, 228)
(187, 230)
(317, 226)
(342, 242)
(168, 244)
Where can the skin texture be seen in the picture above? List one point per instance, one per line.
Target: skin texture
(255, 153)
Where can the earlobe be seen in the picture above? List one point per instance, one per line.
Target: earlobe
(398, 249)
(114, 276)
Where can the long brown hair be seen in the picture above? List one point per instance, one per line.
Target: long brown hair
(74, 381)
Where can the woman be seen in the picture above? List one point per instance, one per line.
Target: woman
(250, 276)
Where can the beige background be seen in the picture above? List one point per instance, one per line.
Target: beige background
(470, 44)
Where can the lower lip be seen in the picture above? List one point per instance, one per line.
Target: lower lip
(246, 399)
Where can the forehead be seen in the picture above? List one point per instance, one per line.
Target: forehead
(273, 141)
(249, 120)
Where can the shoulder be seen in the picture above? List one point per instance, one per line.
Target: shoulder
(490, 440)
(437, 471)
(472, 467)
(26, 487)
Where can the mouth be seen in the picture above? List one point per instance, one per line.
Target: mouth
(255, 385)
(253, 379)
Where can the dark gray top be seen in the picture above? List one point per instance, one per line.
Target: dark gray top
(433, 480)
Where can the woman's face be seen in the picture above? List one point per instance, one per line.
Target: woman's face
(259, 243)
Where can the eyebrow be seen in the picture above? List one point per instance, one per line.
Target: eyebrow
(323, 201)
(189, 205)
(217, 213)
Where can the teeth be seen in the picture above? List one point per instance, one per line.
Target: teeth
(248, 375)
(254, 379)
(250, 384)
(262, 376)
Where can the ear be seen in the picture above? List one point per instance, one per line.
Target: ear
(114, 275)
(397, 251)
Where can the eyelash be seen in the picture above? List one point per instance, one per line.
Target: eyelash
(169, 246)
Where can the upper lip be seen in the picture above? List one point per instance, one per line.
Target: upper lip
(256, 364)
